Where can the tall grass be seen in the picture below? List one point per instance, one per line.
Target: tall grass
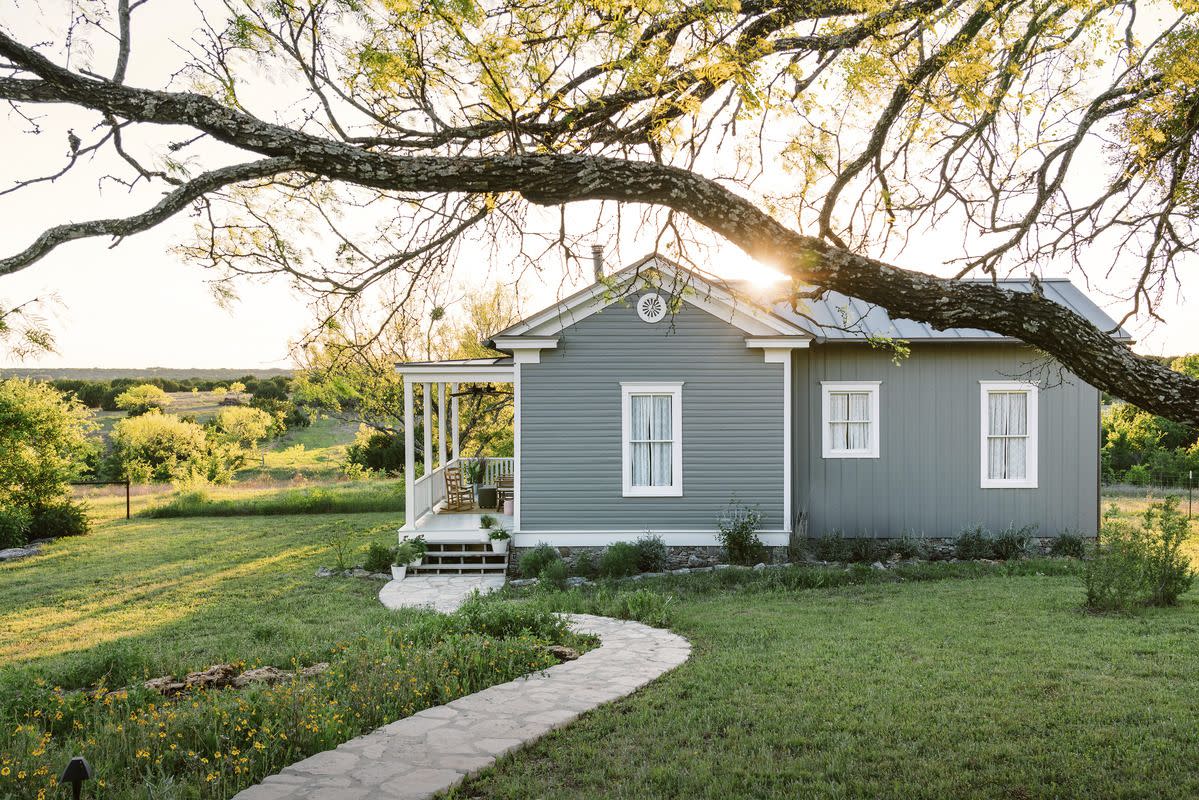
(357, 499)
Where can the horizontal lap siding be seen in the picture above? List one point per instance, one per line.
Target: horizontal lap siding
(926, 481)
(571, 427)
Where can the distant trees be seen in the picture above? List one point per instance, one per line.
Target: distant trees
(44, 445)
(1142, 448)
(144, 399)
(244, 425)
(163, 447)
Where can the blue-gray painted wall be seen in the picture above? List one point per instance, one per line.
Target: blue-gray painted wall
(926, 480)
(571, 426)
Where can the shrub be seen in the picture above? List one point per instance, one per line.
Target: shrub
(907, 547)
(1068, 544)
(169, 448)
(619, 560)
(243, 425)
(1141, 565)
(863, 550)
(379, 557)
(404, 553)
(1012, 543)
(486, 522)
(144, 399)
(63, 519)
(535, 560)
(651, 553)
(738, 534)
(830, 547)
(584, 565)
(1138, 475)
(14, 529)
(973, 543)
(553, 575)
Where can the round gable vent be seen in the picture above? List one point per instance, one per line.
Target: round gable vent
(651, 307)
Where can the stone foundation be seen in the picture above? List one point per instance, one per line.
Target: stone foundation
(680, 557)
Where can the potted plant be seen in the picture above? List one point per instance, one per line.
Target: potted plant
(405, 554)
(486, 522)
(419, 548)
(474, 471)
(499, 540)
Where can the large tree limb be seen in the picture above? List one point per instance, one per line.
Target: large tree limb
(555, 179)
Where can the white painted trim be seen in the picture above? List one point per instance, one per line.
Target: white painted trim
(680, 538)
(441, 424)
(517, 404)
(525, 342)
(826, 445)
(627, 390)
(778, 342)
(456, 436)
(740, 312)
(526, 355)
(427, 404)
(491, 373)
(409, 459)
(787, 442)
(1031, 453)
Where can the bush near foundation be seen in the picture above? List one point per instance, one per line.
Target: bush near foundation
(1143, 564)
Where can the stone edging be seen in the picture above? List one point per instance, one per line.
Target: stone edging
(437, 748)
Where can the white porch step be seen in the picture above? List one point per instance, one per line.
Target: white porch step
(463, 557)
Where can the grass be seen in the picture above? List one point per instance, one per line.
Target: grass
(364, 497)
(997, 686)
(313, 453)
(146, 598)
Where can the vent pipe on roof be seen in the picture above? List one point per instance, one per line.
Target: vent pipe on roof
(597, 261)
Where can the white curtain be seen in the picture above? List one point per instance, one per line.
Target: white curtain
(1007, 432)
(650, 439)
(849, 420)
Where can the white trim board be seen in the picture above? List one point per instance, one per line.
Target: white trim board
(627, 390)
(873, 388)
(694, 538)
(1033, 435)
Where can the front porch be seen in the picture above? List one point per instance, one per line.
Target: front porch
(424, 496)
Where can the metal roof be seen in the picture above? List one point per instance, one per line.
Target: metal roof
(838, 317)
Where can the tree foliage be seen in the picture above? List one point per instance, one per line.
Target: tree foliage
(143, 399)
(822, 138)
(163, 447)
(44, 444)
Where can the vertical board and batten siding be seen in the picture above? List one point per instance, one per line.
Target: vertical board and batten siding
(571, 426)
(926, 480)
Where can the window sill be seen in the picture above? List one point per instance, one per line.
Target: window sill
(990, 484)
(655, 491)
(851, 454)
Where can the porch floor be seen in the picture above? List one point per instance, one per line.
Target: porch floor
(445, 525)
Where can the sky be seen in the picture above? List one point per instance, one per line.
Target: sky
(140, 305)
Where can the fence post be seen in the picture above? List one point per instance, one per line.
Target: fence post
(1190, 490)
(127, 516)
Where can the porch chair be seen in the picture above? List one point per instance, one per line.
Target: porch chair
(458, 496)
(505, 489)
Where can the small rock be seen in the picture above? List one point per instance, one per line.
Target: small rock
(703, 569)
(878, 565)
(214, 677)
(683, 571)
(358, 572)
(523, 582)
(562, 652)
(759, 566)
(380, 576)
(13, 553)
(315, 669)
(640, 576)
(722, 566)
(575, 581)
(324, 572)
(267, 675)
(652, 574)
(695, 561)
(166, 685)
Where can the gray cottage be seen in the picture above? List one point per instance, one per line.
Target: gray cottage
(648, 401)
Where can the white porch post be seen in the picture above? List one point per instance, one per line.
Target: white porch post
(441, 424)
(454, 419)
(409, 457)
(428, 428)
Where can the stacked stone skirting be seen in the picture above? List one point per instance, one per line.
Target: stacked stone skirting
(418, 756)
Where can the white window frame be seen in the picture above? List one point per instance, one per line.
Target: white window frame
(1029, 481)
(827, 389)
(627, 391)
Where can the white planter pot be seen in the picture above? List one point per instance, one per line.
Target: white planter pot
(499, 545)
(417, 562)
(398, 573)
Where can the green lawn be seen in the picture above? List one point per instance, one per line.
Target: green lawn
(149, 597)
(992, 687)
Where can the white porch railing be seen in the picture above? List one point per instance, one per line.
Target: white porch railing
(429, 490)
(492, 468)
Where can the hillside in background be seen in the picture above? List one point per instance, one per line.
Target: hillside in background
(108, 374)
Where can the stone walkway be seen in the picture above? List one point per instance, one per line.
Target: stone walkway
(435, 749)
(439, 592)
